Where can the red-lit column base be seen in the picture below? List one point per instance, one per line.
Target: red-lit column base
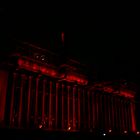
(79, 119)
(50, 106)
(56, 123)
(68, 87)
(133, 117)
(88, 109)
(36, 101)
(62, 106)
(28, 103)
(12, 100)
(43, 100)
(20, 101)
(74, 118)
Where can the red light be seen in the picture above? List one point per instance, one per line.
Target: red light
(78, 80)
(43, 70)
(35, 66)
(62, 75)
(20, 62)
(27, 64)
(126, 94)
(70, 77)
(53, 73)
(109, 130)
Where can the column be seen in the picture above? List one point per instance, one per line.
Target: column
(119, 114)
(79, 119)
(116, 112)
(3, 91)
(109, 111)
(93, 111)
(43, 100)
(20, 101)
(88, 109)
(119, 118)
(29, 99)
(62, 106)
(122, 115)
(36, 101)
(68, 87)
(100, 110)
(50, 106)
(125, 116)
(74, 117)
(106, 112)
(112, 112)
(56, 111)
(84, 109)
(129, 115)
(133, 116)
(12, 99)
(97, 111)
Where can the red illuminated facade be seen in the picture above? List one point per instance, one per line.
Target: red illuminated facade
(38, 91)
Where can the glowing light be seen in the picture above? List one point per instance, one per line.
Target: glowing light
(69, 128)
(109, 130)
(43, 70)
(138, 132)
(127, 94)
(104, 134)
(125, 131)
(37, 56)
(78, 80)
(40, 126)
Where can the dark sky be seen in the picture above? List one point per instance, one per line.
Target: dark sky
(110, 53)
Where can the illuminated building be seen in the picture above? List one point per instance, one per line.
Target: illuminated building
(39, 90)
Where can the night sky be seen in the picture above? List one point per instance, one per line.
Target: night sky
(110, 54)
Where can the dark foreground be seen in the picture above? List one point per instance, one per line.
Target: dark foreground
(38, 134)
